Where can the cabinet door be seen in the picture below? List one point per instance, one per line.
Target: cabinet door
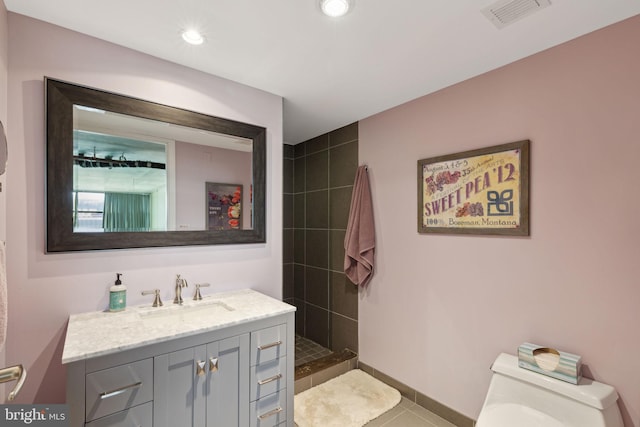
(179, 388)
(227, 396)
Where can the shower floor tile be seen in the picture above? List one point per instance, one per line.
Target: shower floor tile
(307, 350)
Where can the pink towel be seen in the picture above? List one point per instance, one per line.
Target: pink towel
(359, 241)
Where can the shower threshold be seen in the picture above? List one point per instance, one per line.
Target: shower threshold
(312, 358)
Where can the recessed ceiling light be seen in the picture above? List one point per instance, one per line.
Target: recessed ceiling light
(335, 8)
(192, 37)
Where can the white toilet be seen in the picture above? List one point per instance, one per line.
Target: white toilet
(518, 397)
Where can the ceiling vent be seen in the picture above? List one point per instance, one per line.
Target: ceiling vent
(505, 12)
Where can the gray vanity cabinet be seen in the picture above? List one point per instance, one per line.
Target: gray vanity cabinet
(211, 368)
(237, 376)
(203, 386)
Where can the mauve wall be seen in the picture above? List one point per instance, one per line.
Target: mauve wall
(441, 307)
(4, 47)
(45, 289)
(4, 70)
(195, 166)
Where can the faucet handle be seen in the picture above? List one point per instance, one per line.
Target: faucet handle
(181, 282)
(157, 302)
(198, 296)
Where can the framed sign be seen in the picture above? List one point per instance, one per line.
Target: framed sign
(224, 206)
(483, 191)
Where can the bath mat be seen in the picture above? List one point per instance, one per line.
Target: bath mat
(350, 400)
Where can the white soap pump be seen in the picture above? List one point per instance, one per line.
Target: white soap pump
(117, 295)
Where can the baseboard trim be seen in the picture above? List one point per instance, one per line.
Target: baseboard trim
(443, 411)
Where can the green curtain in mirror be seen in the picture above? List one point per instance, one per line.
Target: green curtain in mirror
(126, 212)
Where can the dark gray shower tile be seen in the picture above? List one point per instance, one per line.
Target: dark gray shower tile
(300, 315)
(318, 143)
(317, 209)
(288, 151)
(298, 210)
(299, 246)
(287, 211)
(317, 287)
(287, 245)
(299, 173)
(343, 162)
(287, 176)
(288, 286)
(339, 205)
(336, 250)
(317, 171)
(298, 281)
(344, 333)
(299, 150)
(343, 295)
(317, 325)
(344, 134)
(317, 248)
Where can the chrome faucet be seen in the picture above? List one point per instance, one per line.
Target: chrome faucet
(157, 302)
(198, 296)
(180, 283)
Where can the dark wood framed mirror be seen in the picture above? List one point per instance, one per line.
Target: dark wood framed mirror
(104, 147)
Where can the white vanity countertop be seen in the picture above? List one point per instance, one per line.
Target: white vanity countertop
(100, 333)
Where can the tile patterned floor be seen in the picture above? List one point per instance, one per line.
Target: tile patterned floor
(405, 414)
(409, 414)
(307, 350)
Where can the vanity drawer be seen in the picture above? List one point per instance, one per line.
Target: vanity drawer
(138, 416)
(270, 410)
(115, 389)
(268, 377)
(268, 344)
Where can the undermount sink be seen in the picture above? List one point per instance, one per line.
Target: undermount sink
(199, 308)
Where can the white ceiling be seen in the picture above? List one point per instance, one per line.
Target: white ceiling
(331, 72)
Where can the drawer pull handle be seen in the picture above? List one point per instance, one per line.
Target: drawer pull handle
(200, 368)
(266, 346)
(213, 364)
(268, 380)
(270, 413)
(112, 393)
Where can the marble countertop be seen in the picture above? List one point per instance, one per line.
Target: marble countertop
(100, 333)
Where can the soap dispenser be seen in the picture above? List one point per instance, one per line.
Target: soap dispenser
(117, 295)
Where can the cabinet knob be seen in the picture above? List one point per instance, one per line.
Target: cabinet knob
(213, 364)
(200, 368)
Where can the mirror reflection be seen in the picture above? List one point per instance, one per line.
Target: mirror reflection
(123, 172)
(135, 174)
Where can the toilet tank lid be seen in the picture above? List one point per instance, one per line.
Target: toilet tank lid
(589, 392)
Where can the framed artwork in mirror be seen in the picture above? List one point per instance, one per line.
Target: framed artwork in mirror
(484, 191)
(224, 206)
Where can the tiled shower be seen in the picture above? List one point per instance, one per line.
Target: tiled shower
(318, 181)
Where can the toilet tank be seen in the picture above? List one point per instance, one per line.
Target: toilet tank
(589, 403)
